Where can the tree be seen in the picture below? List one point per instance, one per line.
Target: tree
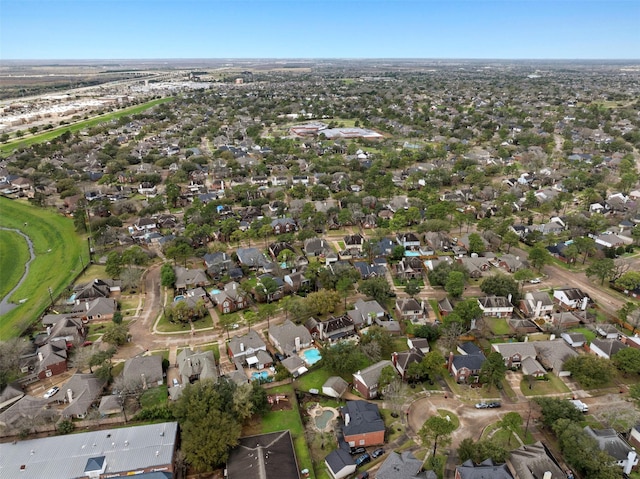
(167, 276)
(11, 352)
(113, 266)
(466, 311)
(481, 450)
(412, 288)
(65, 427)
(511, 422)
(345, 286)
(380, 336)
(501, 285)
(627, 360)
(342, 358)
(455, 284)
(173, 193)
(539, 256)
(429, 367)
(590, 371)
(601, 269)
(629, 281)
(586, 246)
(322, 302)
(209, 423)
(436, 429)
(376, 288)
(268, 286)
(250, 317)
(427, 331)
(553, 409)
(476, 244)
(493, 370)
(387, 375)
(116, 334)
(510, 238)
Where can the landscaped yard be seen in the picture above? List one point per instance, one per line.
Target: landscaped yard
(154, 397)
(535, 387)
(589, 334)
(211, 347)
(314, 379)
(498, 326)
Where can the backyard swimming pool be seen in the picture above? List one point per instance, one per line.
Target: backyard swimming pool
(214, 292)
(412, 253)
(311, 356)
(180, 297)
(323, 419)
(259, 375)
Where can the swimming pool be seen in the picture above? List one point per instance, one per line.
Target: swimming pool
(323, 419)
(311, 356)
(180, 297)
(259, 375)
(214, 292)
(412, 253)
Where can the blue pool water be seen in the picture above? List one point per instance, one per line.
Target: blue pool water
(324, 418)
(214, 291)
(312, 356)
(180, 297)
(412, 253)
(259, 375)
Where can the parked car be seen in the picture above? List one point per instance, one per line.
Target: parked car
(482, 405)
(363, 460)
(363, 475)
(51, 392)
(377, 453)
(357, 450)
(494, 404)
(175, 383)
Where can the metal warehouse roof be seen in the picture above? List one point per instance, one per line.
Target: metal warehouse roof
(127, 449)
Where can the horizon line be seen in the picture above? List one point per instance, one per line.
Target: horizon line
(323, 59)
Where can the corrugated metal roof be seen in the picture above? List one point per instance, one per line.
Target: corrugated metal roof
(126, 449)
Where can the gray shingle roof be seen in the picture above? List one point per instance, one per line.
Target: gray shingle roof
(124, 449)
(369, 376)
(363, 417)
(402, 466)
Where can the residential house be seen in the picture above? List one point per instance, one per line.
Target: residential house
(355, 241)
(52, 359)
(444, 307)
(511, 263)
(335, 387)
(403, 465)
(419, 343)
(575, 340)
(98, 288)
(536, 304)
(486, 469)
(409, 241)
(278, 247)
(366, 380)
(531, 367)
(81, 392)
(340, 463)
(333, 329)
(263, 295)
(263, 456)
(476, 266)
(231, 298)
(217, 264)
(368, 270)
(363, 425)
(613, 444)
(402, 360)
(316, 247)
(196, 365)
(551, 354)
(69, 329)
(295, 365)
(571, 298)
(607, 331)
(533, 461)
(283, 225)
(565, 320)
(465, 367)
(99, 308)
(365, 313)
(295, 282)
(606, 348)
(496, 306)
(514, 353)
(252, 257)
(143, 370)
(189, 278)
(145, 224)
(409, 309)
(289, 338)
(405, 269)
(250, 350)
(11, 393)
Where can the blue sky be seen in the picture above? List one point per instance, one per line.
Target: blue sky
(116, 29)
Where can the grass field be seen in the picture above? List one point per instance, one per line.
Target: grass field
(14, 254)
(81, 125)
(57, 248)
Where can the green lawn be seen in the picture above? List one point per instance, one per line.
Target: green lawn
(452, 417)
(289, 420)
(58, 251)
(153, 397)
(554, 385)
(589, 334)
(166, 326)
(14, 254)
(498, 326)
(314, 379)
(49, 135)
(211, 347)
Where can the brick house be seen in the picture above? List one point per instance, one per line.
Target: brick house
(363, 425)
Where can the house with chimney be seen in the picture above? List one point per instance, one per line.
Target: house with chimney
(196, 365)
(366, 380)
(615, 446)
(231, 298)
(332, 329)
(249, 350)
(402, 360)
(98, 308)
(536, 304)
(363, 425)
(52, 359)
(571, 298)
(465, 366)
(410, 309)
(289, 338)
(143, 370)
(81, 392)
(496, 306)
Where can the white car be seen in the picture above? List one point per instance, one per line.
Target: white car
(51, 392)
(535, 281)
